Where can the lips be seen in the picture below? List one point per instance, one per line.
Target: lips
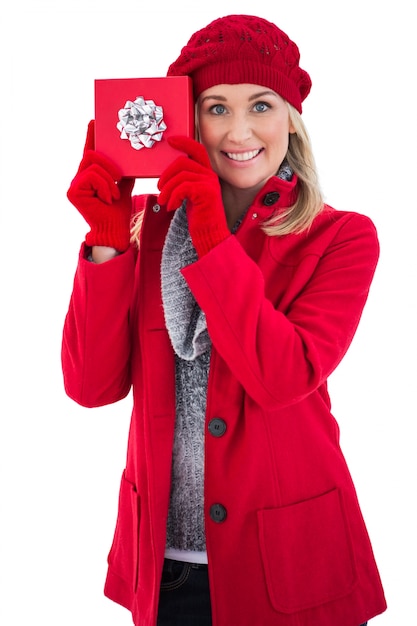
(243, 156)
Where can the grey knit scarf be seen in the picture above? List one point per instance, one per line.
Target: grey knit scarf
(187, 329)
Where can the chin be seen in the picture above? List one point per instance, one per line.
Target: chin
(245, 182)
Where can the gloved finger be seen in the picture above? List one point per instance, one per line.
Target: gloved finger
(175, 200)
(181, 193)
(181, 164)
(90, 141)
(92, 190)
(184, 188)
(190, 146)
(173, 196)
(88, 146)
(91, 157)
(194, 181)
(93, 182)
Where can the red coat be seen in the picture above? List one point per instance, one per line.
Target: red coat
(290, 547)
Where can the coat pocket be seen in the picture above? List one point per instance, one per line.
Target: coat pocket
(307, 553)
(123, 555)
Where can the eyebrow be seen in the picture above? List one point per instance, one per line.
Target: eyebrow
(268, 92)
(254, 96)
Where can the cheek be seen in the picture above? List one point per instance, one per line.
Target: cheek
(207, 137)
(211, 130)
(210, 142)
(281, 142)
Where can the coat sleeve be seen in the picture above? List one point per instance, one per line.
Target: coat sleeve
(96, 336)
(281, 357)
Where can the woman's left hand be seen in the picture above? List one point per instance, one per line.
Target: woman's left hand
(192, 178)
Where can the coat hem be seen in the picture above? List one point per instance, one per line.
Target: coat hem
(115, 589)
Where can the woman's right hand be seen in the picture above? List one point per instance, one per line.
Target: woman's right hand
(103, 198)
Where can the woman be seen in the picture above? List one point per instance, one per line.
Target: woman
(233, 298)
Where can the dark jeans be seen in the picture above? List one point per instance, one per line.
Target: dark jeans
(185, 597)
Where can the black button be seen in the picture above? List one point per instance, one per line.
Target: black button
(217, 427)
(271, 198)
(218, 513)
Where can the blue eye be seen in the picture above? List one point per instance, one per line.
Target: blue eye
(260, 107)
(218, 109)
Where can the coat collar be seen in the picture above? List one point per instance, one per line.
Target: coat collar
(276, 194)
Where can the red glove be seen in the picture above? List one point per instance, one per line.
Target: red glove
(192, 178)
(102, 197)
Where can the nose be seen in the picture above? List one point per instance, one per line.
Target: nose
(239, 130)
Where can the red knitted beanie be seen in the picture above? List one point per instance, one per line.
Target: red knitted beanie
(243, 49)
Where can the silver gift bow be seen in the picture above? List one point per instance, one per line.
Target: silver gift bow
(141, 122)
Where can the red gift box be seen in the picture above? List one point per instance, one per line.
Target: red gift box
(135, 116)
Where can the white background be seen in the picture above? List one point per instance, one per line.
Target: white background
(60, 463)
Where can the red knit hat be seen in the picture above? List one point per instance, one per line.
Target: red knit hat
(243, 49)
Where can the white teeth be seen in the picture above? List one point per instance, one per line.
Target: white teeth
(242, 156)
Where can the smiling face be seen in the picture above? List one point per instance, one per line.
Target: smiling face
(245, 129)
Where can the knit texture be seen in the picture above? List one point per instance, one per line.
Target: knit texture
(187, 329)
(185, 525)
(244, 49)
(185, 321)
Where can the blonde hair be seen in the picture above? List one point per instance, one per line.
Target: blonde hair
(135, 227)
(298, 217)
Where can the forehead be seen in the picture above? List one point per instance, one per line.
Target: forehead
(240, 91)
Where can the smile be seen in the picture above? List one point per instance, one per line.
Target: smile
(243, 156)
